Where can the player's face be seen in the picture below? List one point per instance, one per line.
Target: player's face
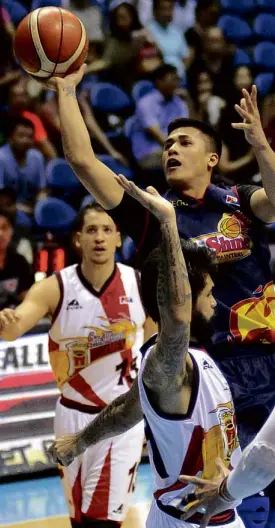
(187, 157)
(99, 237)
(203, 313)
(6, 233)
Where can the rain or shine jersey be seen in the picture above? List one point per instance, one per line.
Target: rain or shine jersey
(95, 337)
(223, 222)
(191, 444)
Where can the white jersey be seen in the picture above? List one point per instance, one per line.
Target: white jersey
(95, 337)
(190, 444)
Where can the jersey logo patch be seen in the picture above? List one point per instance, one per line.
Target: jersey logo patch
(119, 510)
(206, 365)
(231, 199)
(73, 305)
(125, 300)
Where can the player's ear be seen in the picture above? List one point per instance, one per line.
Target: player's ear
(76, 240)
(119, 242)
(213, 159)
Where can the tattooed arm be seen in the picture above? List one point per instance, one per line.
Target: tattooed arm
(165, 367)
(122, 414)
(95, 176)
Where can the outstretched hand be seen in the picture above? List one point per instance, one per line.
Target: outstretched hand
(150, 199)
(73, 79)
(251, 125)
(207, 495)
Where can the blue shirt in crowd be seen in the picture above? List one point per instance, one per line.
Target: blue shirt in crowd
(151, 110)
(171, 43)
(26, 180)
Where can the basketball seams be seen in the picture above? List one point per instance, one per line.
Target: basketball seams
(46, 64)
(64, 66)
(61, 40)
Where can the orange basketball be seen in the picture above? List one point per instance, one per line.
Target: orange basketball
(50, 41)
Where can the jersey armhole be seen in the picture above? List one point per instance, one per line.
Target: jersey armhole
(60, 302)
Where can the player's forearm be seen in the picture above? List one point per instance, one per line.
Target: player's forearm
(75, 138)
(266, 160)
(117, 418)
(256, 467)
(173, 292)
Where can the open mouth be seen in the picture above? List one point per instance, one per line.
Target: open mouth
(173, 163)
(99, 250)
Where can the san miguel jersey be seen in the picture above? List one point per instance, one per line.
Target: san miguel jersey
(95, 338)
(243, 287)
(191, 444)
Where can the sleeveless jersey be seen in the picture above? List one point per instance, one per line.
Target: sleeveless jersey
(191, 444)
(244, 289)
(95, 337)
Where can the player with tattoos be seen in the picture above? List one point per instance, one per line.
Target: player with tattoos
(184, 398)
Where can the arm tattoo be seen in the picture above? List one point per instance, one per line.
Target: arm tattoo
(165, 365)
(69, 90)
(119, 416)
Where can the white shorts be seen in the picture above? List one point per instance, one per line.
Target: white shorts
(159, 519)
(99, 483)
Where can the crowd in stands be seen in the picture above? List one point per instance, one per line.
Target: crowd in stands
(149, 61)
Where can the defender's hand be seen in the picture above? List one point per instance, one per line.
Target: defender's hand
(8, 317)
(150, 199)
(251, 125)
(65, 449)
(70, 81)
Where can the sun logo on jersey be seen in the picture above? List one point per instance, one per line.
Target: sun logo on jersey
(227, 419)
(114, 330)
(230, 241)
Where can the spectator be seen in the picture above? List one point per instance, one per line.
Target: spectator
(206, 14)
(90, 16)
(22, 166)
(19, 106)
(153, 113)
(237, 163)
(50, 118)
(129, 52)
(205, 106)
(167, 36)
(183, 16)
(16, 275)
(217, 60)
(8, 69)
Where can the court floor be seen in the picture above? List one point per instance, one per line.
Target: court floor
(40, 503)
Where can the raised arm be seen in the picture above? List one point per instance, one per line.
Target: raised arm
(165, 367)
(95, 176)
(119, 416)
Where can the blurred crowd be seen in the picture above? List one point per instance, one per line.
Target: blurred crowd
(149, 62)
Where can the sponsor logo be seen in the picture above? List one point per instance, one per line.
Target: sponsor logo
(227, 419)
(73, 305)
(231, 241)
(125, 300)
(206, 365)
(231, 199)
(119, 511)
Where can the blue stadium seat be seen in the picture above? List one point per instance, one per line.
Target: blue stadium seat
(44, 3)
(264, 56)
(264, 82)
(254, 511)
(89, 199)
(141, 88)
(52, 214)
(238, 7)
(16, 10)
(23, 220)
(266, 5)
(128, 249)
(116, 166)
(235, 29)
(107, 97)
(264, 27)
(60, 176)
(241, 58)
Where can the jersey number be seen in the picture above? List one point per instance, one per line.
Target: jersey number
(123, 368)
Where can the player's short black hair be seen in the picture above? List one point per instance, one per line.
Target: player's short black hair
(199, 262)
(80, 217)
(10, 217)
(207, 130)
(19, 121)
(161, 71)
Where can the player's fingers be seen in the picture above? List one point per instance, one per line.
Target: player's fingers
(122, 181)
(4, 321)
(191, 511)
(221, 467)
(11, 316)
(205, 519)
(248, 100)
(152, 190)
(192, 480)
(254, 96)
(242, 112)
(241, 126)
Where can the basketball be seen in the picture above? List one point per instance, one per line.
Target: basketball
(50, 41)
(230, 227)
